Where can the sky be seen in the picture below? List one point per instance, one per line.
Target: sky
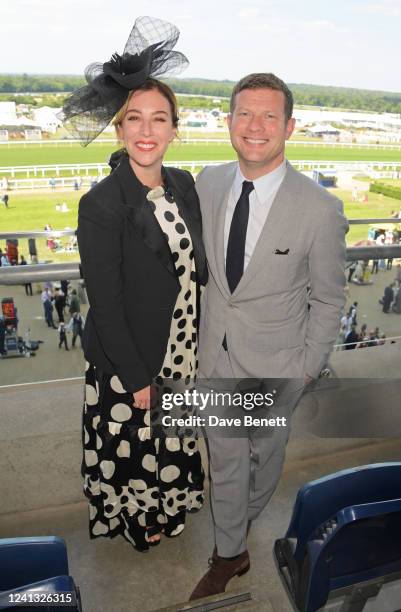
(350, 43)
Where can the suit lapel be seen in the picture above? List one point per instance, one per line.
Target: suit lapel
(220, 201)
(276, 222)
(141, 215)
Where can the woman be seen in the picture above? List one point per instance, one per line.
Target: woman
(139, 235)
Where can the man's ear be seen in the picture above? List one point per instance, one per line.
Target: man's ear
(290, 127)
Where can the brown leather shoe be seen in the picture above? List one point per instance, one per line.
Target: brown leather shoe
(220, 573)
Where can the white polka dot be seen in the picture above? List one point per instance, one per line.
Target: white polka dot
(114, 522)
(169, 473)
(91, 396)
(100, 529)
(90, 458)
(87, 366)
(173, 444)
(124, 449)
(108, 468)
(114, 428)
(96, 421)
(116, 385)
(161, 519)
(99, 442)
(86, 436)
(137, 484)
(146, 418)
(142, 520)
(121, 412)
(149, 463)
(178, 529)
(144, 433)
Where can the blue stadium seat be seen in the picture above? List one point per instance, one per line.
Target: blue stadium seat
(345, 531)
(36, 564)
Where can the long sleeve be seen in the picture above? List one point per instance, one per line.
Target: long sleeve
(99, 238)
(327, 260)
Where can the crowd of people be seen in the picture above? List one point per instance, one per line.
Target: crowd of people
(63, 300)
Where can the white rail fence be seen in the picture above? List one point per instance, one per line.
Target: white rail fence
(396, 146)
(65, 175)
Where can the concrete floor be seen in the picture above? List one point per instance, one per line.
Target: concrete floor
(114, 577)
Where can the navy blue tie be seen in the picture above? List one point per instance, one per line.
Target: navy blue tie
(237, 236)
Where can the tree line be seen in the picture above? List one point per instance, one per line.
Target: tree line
(304, 94)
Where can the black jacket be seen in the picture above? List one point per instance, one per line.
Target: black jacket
(130, 274)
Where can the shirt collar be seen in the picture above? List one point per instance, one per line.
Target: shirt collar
(264, 185)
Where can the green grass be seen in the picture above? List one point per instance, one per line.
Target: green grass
(377, 207)
(32, 211)
(45, 154)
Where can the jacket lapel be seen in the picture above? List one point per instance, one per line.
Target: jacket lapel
(141, 215)
(185, 198)
(221, 196)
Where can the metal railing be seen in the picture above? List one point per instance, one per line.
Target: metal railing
(42, 272)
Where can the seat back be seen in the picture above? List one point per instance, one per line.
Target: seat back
(320, 500)
(27, 560)
(365, 546)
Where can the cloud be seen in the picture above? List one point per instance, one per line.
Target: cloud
(249, 13)
(323, 24)
(387, 8)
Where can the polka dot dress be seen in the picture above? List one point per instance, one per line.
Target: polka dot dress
(180, 361)
(137, 484)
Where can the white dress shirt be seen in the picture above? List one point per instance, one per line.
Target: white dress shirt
(260, 201)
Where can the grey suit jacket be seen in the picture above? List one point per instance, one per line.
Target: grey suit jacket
(275, 327)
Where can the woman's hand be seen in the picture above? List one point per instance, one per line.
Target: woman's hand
(143, 398)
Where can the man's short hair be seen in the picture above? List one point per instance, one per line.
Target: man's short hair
(264, 80)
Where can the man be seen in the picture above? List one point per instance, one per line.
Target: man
(59, 303)
(276, 253)
(388, 297)
(74, 302)
(62, 332)
(76, 324)
(352, 339)
(28, 286)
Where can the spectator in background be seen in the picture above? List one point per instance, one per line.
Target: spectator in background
(4, 260)
(398, 274)
(397, 302)
(76, 323)
(62, 331)
(5, 199)
(388, 297)
(353, 311)
(351, 339)
(75, 306)
(48, 308)
(59, 303)
(28, 286)
(351, 270)
(64, 288)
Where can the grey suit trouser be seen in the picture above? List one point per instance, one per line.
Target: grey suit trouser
(244, 472)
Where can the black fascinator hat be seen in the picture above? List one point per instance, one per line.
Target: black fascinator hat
(147, 53)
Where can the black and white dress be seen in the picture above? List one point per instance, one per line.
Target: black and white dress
(133, 481)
